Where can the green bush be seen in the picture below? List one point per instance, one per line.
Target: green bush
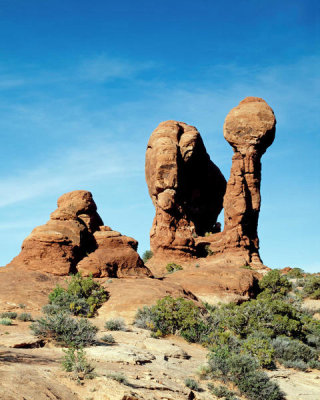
(25, 317)
(115, 324)
(192, 384)
(222, 392)
(75, 361)
(173, 267)
(9, 314)
(108, 339)
(298, 364)
(274, 285)
(292, 350)
(119, 378)
(311, 287)
(242, 370)
(295, 273)
(261, 349)
(147, 255)
(6, 321)
(171, 316)
(82, 297)
(65, 330)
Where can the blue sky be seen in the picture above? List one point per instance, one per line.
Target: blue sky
(83, 85)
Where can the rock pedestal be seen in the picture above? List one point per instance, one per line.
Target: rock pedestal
(250, 130)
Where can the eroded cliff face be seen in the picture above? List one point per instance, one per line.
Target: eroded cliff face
(74, 239)
(185, 186)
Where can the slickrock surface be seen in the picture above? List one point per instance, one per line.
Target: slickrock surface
(155, 369)
(250, 130)
(214, 283)
(185, 186)
(75, 232)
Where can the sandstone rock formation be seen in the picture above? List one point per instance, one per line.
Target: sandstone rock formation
(250, 130)
(116, 256)
(75, 232)
(185, 186)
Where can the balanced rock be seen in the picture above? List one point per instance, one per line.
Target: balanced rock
(185, 186)
(74, 231)
(250, 130)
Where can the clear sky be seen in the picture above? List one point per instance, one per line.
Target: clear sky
(83, 84)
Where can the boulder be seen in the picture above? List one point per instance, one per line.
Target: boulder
(185, 186)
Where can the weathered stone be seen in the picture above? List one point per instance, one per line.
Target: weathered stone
(185, 186)
(250, 129)
(115, 257)
(75, 232)
(63, 241)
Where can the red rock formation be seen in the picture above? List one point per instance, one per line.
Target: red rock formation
(185, 186)
(116, 256)
(250, 130)
(75, 230)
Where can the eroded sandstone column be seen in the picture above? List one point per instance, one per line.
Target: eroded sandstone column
(185, 186)
(250, 130)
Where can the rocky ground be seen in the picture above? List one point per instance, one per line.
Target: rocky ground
(154, 368)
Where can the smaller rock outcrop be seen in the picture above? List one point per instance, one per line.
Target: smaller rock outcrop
(185, 186)
(75, 232)
(116, 256)
(250, 130)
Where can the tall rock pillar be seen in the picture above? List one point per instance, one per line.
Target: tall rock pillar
(250, 129)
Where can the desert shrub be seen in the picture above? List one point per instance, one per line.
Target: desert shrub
(9, 314)
(261, 349)
(115, 324)
(171, 315)
(311, 287)
(75, 361)
(313, 341)
(173, 267)
(52, 309)
(147, 255)
(6, 321)
(25, 317)
(274, 285)
(208, 251)
(191, 384)
(144, 318)
(108, 339)
(292, 350)
(246, 267)
(83, 297)
(256, 385)
(242, 370)
(65, 330)
(298, 364)
(119, 378)
(21, 305)
(272, 317)
(295, 273)
(222, 392)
